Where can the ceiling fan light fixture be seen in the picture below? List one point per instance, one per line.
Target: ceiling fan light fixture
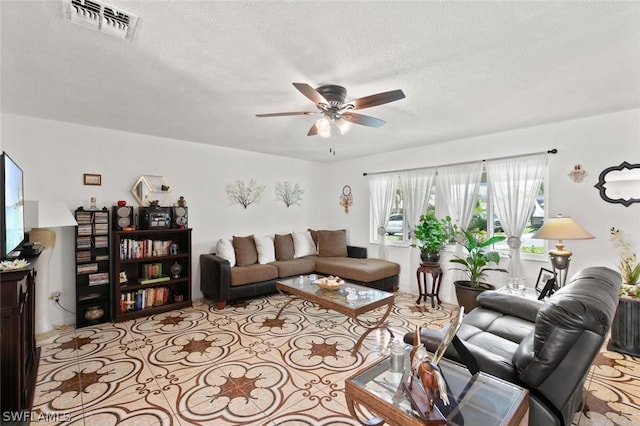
(324, 127)
(343, 125)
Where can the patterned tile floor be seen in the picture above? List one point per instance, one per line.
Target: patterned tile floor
(236, 367)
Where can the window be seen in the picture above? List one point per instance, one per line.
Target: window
(485, 208)
(398, 229)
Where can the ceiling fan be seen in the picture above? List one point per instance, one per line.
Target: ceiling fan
(331, 104)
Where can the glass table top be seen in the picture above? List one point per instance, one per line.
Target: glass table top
(481, 399)
(349, 295)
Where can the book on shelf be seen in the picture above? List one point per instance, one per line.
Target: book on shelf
(87, 268)
(144, 298)
(83, 242)
(84, 230)
(151, 270)
(83, 218)
(153, 280)
(102, 257)
(101, 229)
(101, 217)
(99, 278)
(83, 256)
(102, 241)
(138, 249)
(90, 296)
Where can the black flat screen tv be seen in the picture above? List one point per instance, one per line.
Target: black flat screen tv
(11, 208)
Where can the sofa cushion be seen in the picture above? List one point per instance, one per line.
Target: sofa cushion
(314, 236)
(284, 247)
(266, 249)
(245, 249)
(363, 270)
(241, 275)
(332, 243)
(224, 249)
(288, 268)
(303, 244)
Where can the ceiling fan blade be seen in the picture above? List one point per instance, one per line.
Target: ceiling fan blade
(311, 93)
(364, 120)
(282, 114)
(377, 99)
(313, 130)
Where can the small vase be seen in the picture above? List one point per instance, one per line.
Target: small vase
(175, 269)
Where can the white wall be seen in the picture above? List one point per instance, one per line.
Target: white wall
(596, 143)
(54, 155)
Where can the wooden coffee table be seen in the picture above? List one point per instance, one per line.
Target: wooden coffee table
(372, 398)
(367, 300)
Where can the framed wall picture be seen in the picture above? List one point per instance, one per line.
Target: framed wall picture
(92, 179)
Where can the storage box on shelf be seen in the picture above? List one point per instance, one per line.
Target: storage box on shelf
(93, 284)
(152, 270)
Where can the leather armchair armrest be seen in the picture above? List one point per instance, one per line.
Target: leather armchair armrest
(357, 252)
(215, 277)
(509, 304)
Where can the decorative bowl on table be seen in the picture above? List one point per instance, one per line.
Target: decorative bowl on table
(330, 283)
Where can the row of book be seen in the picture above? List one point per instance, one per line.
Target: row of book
(89, 229)
(84, 242)
(144, 298)
(84, 217)
(136, 249)
(87, 268)
(99, 278)
(85, 256)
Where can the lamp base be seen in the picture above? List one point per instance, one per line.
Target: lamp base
(560, 260)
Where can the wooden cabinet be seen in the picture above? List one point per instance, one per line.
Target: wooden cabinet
(18, 353)
(152, 272)
(93, 263)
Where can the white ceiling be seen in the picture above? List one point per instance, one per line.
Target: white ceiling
(200, 70)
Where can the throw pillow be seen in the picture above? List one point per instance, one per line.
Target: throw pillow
(303, 244)
(224, 249)
(245, 249)
(332, 243)
(314, 235)
(266, 250)
(284, 247)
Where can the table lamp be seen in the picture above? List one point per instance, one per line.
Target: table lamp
(39, 216)
(561, 228)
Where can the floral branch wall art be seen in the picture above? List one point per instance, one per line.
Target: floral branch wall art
(289, 195)
(244, 194)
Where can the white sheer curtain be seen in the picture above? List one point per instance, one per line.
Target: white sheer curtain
(459, 185)
(382, 190)
(416, 187)
(514, 185)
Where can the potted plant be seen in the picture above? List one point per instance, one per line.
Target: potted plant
(475, 264)
(432, 235)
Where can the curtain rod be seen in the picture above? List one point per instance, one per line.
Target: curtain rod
(550, 151)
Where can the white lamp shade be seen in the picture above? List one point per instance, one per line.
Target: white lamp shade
(47, 214)
(562, 228)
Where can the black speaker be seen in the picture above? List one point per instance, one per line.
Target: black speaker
(180, 217)
(122, 217)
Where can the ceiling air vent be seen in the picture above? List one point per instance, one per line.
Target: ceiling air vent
(101, 17)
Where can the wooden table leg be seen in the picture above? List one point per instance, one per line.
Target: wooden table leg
(372, 325)
(420, 287)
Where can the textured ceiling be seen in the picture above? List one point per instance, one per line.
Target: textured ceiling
(201, 70)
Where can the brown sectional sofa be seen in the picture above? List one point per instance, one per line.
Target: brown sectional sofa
(252, 274)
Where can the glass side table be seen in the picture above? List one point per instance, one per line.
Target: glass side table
(482, 399)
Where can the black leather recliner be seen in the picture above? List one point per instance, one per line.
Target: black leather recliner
(546, 348)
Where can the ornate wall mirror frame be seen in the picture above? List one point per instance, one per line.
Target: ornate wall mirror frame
(620, 184)
(148, 187)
